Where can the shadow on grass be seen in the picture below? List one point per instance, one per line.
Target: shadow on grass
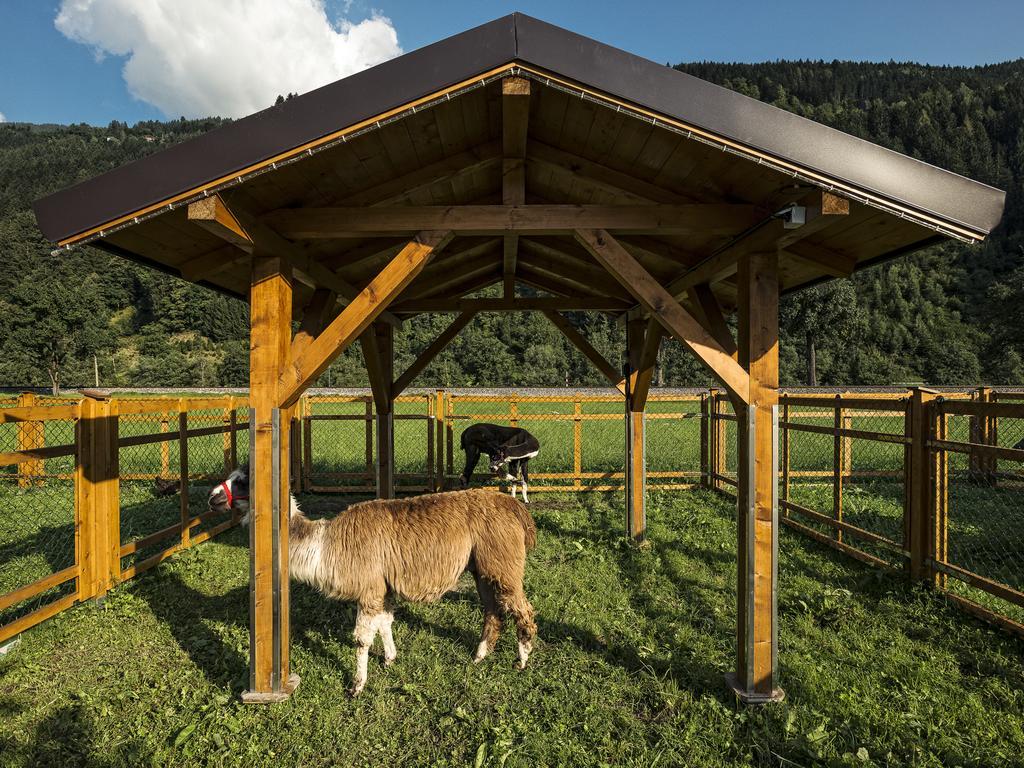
(69, 737)
(189, 615)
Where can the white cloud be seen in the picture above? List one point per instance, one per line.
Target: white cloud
(230, 57)
(3, 117)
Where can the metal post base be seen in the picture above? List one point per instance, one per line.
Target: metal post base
(748, 697)
(271, 697)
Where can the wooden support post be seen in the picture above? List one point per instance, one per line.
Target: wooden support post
(757, 520)
(31, 435)
(636, 469)
(97, 497)
(920, 496)
(385, 406)
(270, 341)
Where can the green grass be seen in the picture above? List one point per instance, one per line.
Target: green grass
(634, 643)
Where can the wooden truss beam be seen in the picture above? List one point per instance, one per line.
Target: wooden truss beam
(376, 365)
(306, 268)
(676, 320)
(519, 304)
(769, 238)
(578, 340)
(515, 120)
(710, 315)
(643, 371)
(688, 219)
(435, 348)
(357, 316)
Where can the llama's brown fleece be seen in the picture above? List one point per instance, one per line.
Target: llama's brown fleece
(415, 548)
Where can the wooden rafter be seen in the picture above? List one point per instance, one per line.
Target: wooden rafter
(446, 170)
(569, 263)
(454, 277)
(206, 265)
(578, 340)
(215, 217)
(432, 351)
(688, 219)
(304, 368)
(515, 119)
(666, 309)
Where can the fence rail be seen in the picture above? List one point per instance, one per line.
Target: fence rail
(95, 491)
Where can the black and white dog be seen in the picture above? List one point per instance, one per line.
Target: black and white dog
(510, 446)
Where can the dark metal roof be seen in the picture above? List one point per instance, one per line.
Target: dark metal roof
(677, 96)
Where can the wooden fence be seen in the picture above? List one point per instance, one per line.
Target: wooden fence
(916, 481)
(929, 484)
(81, 510)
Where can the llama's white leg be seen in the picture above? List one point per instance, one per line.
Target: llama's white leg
(513, 489)
(526, 499)
(367, 625)
(524, 652)
(390, 652)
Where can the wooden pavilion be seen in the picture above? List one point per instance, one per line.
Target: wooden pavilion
(519, 154)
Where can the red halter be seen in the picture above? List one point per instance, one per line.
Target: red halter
(230, 496)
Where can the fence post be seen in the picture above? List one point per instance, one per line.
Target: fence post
(97, 496)
(939, 531)
(704, 440)
(784, 431)
(838, 465)
(186, 513)
(920, 498)
(439, 436)
(31, 435)
(979, 434)
(717, 438)
(577, 443)
(307, 446)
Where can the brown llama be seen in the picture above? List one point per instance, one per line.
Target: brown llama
(415, 549)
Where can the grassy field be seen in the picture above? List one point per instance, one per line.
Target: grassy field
(634, 643)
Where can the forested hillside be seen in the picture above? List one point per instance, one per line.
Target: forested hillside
(952, 314)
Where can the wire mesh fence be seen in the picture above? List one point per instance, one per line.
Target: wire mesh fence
(977, 473)
(879, 476)
(38, 545)
(843, 472)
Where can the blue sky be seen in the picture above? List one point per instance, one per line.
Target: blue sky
(50, 78)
